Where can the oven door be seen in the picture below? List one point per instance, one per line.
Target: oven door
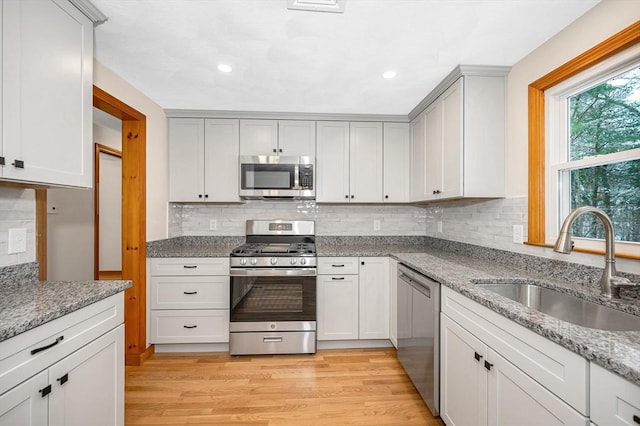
(273, 295)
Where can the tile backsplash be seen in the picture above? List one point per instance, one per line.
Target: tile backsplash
(17, 210)
(334, 219)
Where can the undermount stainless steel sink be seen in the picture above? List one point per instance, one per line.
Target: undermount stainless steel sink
(565, 306)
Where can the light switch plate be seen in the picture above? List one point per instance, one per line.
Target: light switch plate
(518, 234)
(17, 240)
(376, 225)
(213, 225)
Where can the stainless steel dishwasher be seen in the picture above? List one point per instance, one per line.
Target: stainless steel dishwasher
(419, 333)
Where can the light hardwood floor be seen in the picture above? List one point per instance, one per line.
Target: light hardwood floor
(332, 387)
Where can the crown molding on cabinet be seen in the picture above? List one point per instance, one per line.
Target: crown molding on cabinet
(192, 113)
(459, 71)
(89, 10)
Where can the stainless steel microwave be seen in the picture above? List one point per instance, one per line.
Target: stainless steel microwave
(263, 176)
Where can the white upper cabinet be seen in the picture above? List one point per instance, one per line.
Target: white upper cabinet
(297, 138)
(272, 137)
(458, 142)
(47, 83)
(349, 162)
(365, 162)
(396, 157)
(203, 160)
(258, 137)
(332, 162)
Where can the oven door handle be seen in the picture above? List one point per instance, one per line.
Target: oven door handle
(265, 272)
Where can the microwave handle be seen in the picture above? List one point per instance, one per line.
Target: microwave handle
(296, 178)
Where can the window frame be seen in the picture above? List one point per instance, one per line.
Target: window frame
(537, 210)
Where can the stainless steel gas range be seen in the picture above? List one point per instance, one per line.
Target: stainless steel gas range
(273, 289)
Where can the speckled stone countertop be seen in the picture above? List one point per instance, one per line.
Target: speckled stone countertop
(617, 351)
(198, 246)
(27, 304)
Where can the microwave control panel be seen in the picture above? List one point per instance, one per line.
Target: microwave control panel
(306, 176)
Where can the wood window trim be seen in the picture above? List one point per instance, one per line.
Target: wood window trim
(536, 213)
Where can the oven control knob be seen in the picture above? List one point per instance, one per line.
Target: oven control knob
(254, 261)
(243, 261)
(274, 260)
(303, 261)
(293, 260)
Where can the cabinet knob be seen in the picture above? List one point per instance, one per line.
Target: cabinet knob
(64, 379)
(199, 195)
(386, 197)
(362, 263)
(346, 196)
(45, 391)
(488, 365)
(352, 197)
(274, 150)
(477, 356)
(636, 419)
(280, 150)
(18, 164)
(435, 192)
(1, 161)
(206, 195)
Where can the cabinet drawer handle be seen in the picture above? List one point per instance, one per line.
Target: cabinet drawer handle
(272, 339)
(189, 266)
(337, 278)
(190, 326)
(337, 266)
(45, 391)
(1, 161)
(636, 419)
(190, 292)
(477, 356)
(488, 365)
(44, 348)
(64, 379)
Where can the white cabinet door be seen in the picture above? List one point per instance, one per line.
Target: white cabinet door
(337, 307)
(297, 138)
(396, 158)
(47, 94)
(452, 134)
(433, 151)
(186, 159)
(88, 385)
(463, 378)
(418, 158)
(332, 162)
(24, 405)
(516, 399)
(221, 166)
(259, 137)
(615, 401)
(393, 302)
(374, 297)
(365, 162)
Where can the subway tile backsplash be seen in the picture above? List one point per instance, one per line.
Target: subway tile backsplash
(17, 210)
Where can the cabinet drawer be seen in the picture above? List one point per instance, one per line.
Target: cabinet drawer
(614, 400)
(337, 265)
(190, 266)
(190, 326)
(63, 335)
(558, 369)
(190, 292)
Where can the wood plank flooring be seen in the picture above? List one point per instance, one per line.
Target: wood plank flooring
(332, 387)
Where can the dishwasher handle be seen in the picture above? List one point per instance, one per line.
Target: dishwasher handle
(422, 285)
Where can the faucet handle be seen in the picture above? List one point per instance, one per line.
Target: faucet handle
(622, 282)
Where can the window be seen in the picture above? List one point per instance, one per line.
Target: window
(593, 149)
(584, 144)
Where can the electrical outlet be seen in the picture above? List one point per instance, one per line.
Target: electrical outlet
(440, 226)
(376, 225)
(518, 234)
(213, 225)
(17, 240)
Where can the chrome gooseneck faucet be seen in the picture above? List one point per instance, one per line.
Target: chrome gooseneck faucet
(610, 283)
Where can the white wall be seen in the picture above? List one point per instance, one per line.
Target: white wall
(157, 146)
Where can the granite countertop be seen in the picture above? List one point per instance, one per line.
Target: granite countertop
(617, 351)
(26, 305)
(196, 246)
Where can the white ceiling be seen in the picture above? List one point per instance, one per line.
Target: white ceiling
(300, 61)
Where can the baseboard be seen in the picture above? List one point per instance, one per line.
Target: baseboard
(191, 347)
(353, 344)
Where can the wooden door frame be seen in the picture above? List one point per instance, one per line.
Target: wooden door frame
(134, 234)
(99, 149)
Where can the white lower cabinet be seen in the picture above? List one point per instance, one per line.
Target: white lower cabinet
(615, 401)
(496, 372)
(189, 300)
(353, 298)
(75, 370)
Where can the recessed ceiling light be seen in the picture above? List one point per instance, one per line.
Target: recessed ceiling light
(224, 68)
(389, 74)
